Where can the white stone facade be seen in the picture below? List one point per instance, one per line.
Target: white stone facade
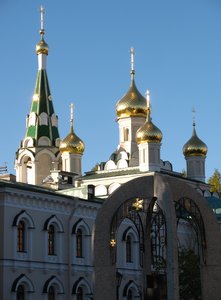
(28, 258)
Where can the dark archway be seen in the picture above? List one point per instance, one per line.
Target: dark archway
(191, 248)
(144, 213)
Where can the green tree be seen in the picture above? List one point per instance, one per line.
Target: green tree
(189, 275)
(183, 173)
(214, 181)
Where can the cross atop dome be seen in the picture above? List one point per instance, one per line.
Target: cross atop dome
(148, 99)
(42, 12)
(132, 60)
(72, 115)
(194, 116)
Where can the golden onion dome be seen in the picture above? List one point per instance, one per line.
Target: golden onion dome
(133, 104)
(42, 47)
(72, 144)
(149, 133)
(195, 146)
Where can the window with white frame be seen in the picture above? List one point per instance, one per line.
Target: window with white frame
(128, 253)
(131, 291)
(81, 241)
(82, 289)
(53, 237)
(52, 288)
(22, 288)
(23, 226)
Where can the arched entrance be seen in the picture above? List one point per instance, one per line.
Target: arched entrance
(154, 221)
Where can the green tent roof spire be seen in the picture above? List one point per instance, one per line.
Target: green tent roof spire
(42, 123)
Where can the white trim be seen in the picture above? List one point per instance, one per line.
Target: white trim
(42, 61)
(27, 283)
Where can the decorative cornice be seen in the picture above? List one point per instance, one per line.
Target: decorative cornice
(44, 200)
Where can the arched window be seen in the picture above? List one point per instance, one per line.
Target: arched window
(22, 288)
(128, 246)
(80, 293)
(82, 289)
(23, 226)
(144, 156)
(53, 289)
(191, 248)
(51, 293)
(130, 295)
(79, 243)
(21, 232)
(131, 291)
(20, 294)
(128, 249)
(51, 240)
(126, 134)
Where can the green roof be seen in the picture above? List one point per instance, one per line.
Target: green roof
(42, 103)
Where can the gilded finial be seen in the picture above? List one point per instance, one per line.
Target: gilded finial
(42, 12)
(42, 47)
(72, 115)
(132, 72)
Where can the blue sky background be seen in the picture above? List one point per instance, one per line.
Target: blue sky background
(178, 58)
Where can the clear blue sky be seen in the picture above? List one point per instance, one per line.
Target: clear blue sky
(178, 58)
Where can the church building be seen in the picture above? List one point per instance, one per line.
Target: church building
(130, 228)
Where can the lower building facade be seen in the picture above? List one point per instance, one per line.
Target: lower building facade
(135, 244)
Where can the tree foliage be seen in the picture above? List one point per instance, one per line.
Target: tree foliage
(189, 275)
(183, 173)
(214, 181)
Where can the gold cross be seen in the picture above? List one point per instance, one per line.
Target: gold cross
(112, 243)
(138, 204)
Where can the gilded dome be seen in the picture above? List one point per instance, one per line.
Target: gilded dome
(42, 47)
(133, 104)
(72, 144)
(194, 146)
(149, 133)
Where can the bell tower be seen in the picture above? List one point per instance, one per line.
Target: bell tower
(131, 112)
(38, 153)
